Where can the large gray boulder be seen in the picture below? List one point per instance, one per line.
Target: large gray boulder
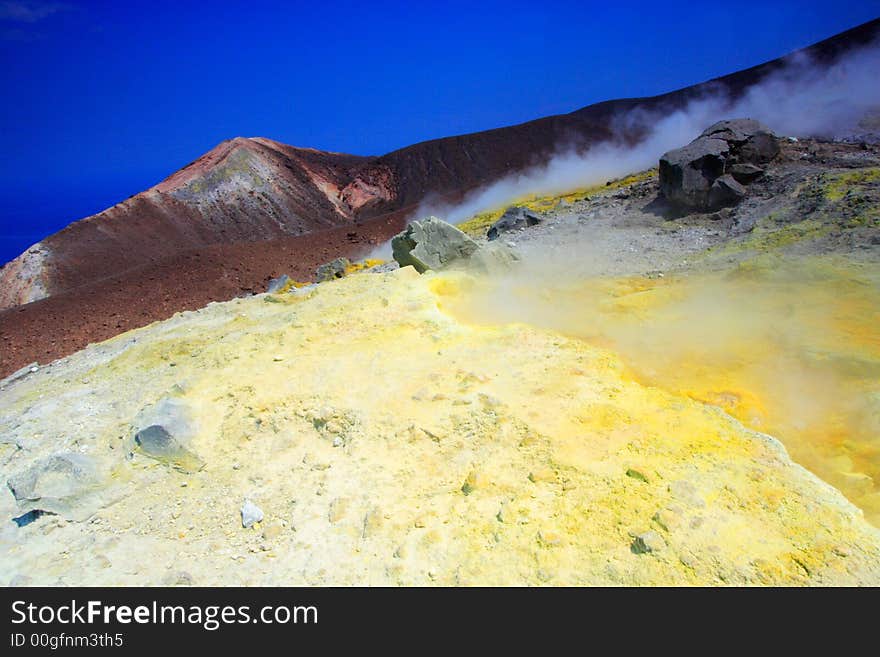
(431, 244)
(687, 174)
(709, 173)
(66, 484)
(514, 218)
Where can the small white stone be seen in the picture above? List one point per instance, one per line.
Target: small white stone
(250, 514)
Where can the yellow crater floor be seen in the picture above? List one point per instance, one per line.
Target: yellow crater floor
(789, 347)
(394, 435)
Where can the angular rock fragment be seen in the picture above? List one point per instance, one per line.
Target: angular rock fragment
(738, 132)
(514, 218)
(495, 257)
(64, 484)
(761, 148)
(745, 173)
(279, 284)
(157, 443)
(431, 244)
(647, 542)
(725, 191)
(164, 431)
(250, 514)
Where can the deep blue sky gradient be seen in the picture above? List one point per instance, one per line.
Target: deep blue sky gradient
(102, 99)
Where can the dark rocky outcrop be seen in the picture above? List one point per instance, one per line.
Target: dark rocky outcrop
(750, 141)
(514, 218)
(709, 173)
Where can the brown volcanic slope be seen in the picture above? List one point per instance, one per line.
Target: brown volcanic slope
(64, 323)
(229, 221)
(244, 190)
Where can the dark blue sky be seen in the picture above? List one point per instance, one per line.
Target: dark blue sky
(103, 99)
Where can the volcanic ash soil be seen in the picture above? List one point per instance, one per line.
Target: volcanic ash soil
(385, 442)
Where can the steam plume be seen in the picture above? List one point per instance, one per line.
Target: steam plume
(802, 99)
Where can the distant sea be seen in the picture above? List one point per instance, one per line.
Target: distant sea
(29, 215)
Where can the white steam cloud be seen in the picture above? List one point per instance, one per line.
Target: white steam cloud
(802, 99)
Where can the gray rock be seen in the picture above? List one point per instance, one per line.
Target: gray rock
(759, 149)
(64, 484)
(431, 244)
(687, 174)
(736, 131)
(745, 173)
(729, 150)
(157, 443)
(725, 191)
(514, 217)
(164, 431)
(493, 258)
(332, 270)
(750, 141)
(384, 268)
(278, 284)
(743, 224)
(250, 514)
(647, 542)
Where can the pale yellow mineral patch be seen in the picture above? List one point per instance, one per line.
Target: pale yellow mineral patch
(339, 410)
